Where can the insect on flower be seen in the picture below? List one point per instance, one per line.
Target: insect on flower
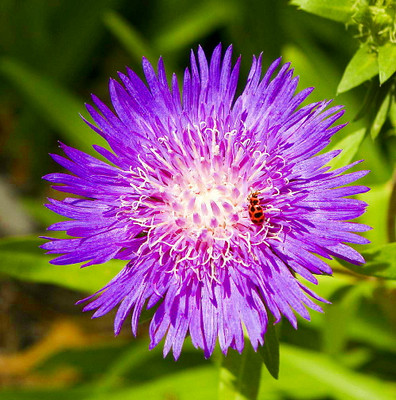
(169, 198)
(256, 212)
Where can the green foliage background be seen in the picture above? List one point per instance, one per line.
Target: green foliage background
(53, 54)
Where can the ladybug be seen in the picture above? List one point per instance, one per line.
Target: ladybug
(256, 212)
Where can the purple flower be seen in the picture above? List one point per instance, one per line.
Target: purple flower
(216, 202)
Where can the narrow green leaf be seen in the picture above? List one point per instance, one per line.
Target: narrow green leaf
(128, 360)
(373, 331)
(341, 382)
(76, 40)
(362, 67)
(133, 42)
(191, 384)
(197, 24)
(349, 145)
(337, 10)
(380, 118)
(380, 262)
(386, 61)
(21, 258)
(270, 350)
(79, 393)
(54, 103)
(338, 316)
(392, 112)
(240, 375)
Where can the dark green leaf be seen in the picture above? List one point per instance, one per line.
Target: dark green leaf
(362, 67)
(337, 10)
(193, 26)
(380, 262)
(133, 42)
(45, 394)
(386, 61)
(240, 375)
(392, 112)
(338, 316)
(270, 350)
(54, 103)
(380, 118)
(21, 258)
(77, 35)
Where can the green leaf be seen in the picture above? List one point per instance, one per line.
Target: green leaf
(350, 146)
(342, 383)
(240, 375)
(392, 112)
(380, 262)
(337, 10)
(54, 103)
(21, 258)
(362, 67)
(380, 118)
(270, 350)
(191, 384)
(195, 25)
(338, 316)
(45, 394)
(386, 61)
(133, 42)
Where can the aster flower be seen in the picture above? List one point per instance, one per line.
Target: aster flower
(215, 202)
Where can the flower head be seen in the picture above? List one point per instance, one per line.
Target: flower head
(216, 202)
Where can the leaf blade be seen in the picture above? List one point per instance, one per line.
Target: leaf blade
(336, 10)
(240, 375)
(269, 352)
(54, 103)
(350, 146)
(21, 258)
(386, 61)
(380, 262)
(343, 383)
(362, 67)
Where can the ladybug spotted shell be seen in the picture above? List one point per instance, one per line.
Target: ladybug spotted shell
(256, 212)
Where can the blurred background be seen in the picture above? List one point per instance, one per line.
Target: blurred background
(53, 55)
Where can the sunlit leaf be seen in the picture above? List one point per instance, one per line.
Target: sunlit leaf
(376, 214)
(380, 262)
(362, 67)
(21, 258)
(342, 383)
(270, 351)
(337, 10)
(349, 146)
(240, 375)
(386, 61)
(53, 102)
(192, 384)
